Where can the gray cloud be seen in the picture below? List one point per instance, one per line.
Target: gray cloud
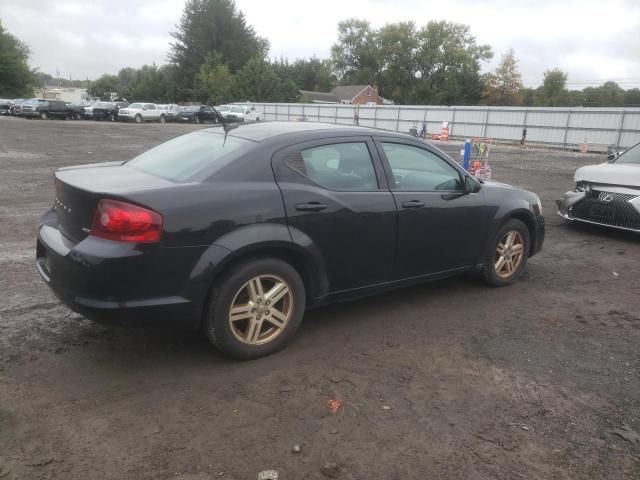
(590, 39)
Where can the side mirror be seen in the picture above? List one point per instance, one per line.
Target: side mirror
(470, 185)
(612, 156)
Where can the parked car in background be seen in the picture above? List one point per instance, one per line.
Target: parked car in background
(76, 110)
(172, 113)
(142, 112)
(104, 110)
(39, 108)
(240, 113)
(235, 233)
(5, 107)
(607, 194)
(197, 114)
(15, 105)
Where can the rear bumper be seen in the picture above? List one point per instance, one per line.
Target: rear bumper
(119, 283)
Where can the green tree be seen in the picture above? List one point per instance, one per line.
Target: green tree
(504, 85)
(258, 81)
(104, 86)
(632, 98)
(213, 26)
(150, 83)
(313, 74)
(437, 64)
(448, 62)
(212, 84)
(355, 56)
(16, 79)
(553, 92)
(610, 94)
(396, 45)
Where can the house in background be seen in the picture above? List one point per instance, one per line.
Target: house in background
(349, 95)
(66, 94)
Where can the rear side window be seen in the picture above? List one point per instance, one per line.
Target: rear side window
(184, 157)
(340, 166)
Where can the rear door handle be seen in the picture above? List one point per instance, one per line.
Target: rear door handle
(413, 204)
(310, 207)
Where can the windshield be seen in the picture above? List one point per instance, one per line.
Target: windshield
(223, 108)
(184, 157)
(631, 156)
(237, 109)
(102, 105)
(136, 105)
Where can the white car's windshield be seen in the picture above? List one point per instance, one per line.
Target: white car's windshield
(136, 105)
(237, 109)
(223, 108)
(630, 156)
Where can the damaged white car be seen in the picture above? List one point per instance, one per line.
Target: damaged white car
(606, 194)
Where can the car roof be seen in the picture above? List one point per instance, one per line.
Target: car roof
(262, 131)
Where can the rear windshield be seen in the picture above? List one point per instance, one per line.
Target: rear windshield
(630, 156)
(185, 157)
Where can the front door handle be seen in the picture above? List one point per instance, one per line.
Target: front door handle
(310, 207)
(413, 204)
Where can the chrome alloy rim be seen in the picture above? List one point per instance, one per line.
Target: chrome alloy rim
(260, 310)
(509, 254)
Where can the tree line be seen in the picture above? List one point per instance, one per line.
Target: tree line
(216, 57)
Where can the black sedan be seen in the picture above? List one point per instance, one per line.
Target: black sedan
(237, 233)
(197, 114)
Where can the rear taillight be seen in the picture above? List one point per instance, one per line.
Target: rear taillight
(124, 222)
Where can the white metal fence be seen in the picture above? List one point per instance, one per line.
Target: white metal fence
(600, 128)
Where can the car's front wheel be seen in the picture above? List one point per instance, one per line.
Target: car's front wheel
(138, 118)
(508, 254)
(256, 308)
(43, 115)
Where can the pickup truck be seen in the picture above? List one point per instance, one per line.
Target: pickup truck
(142, 112)
(37, 107)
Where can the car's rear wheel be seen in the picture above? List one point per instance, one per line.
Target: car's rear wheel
(43, 115)
(111, 117)
(163, 119)
(77, 116)
(508, 254)
(196, 119)
(256, 308)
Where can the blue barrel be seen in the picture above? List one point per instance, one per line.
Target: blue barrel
(467, 154)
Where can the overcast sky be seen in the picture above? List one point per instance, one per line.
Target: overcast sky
(592, 40)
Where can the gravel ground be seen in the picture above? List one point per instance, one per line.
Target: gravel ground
(445, 380)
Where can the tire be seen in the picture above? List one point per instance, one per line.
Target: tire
(216, 120)
(111, 117)
(502, 269)
(43, 115)
(163, 119)
(196, 119)
(138, 118)
(77, 116)
(249, 336)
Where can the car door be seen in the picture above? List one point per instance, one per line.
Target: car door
(337, 202)
(440, 228)
(149, 112)
(207, 114)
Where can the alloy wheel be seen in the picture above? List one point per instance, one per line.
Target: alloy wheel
(509, 254)
(261, 309)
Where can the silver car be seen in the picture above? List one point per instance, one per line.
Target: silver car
(607, 194)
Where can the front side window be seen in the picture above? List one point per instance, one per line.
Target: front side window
(340, 166)
(419, 170)
(185, 157)
(631, 156)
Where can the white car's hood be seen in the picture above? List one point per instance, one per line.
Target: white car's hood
(610, 174)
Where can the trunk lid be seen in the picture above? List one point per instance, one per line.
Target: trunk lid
(79, 189)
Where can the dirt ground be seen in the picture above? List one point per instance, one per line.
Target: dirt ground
(448, 380)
